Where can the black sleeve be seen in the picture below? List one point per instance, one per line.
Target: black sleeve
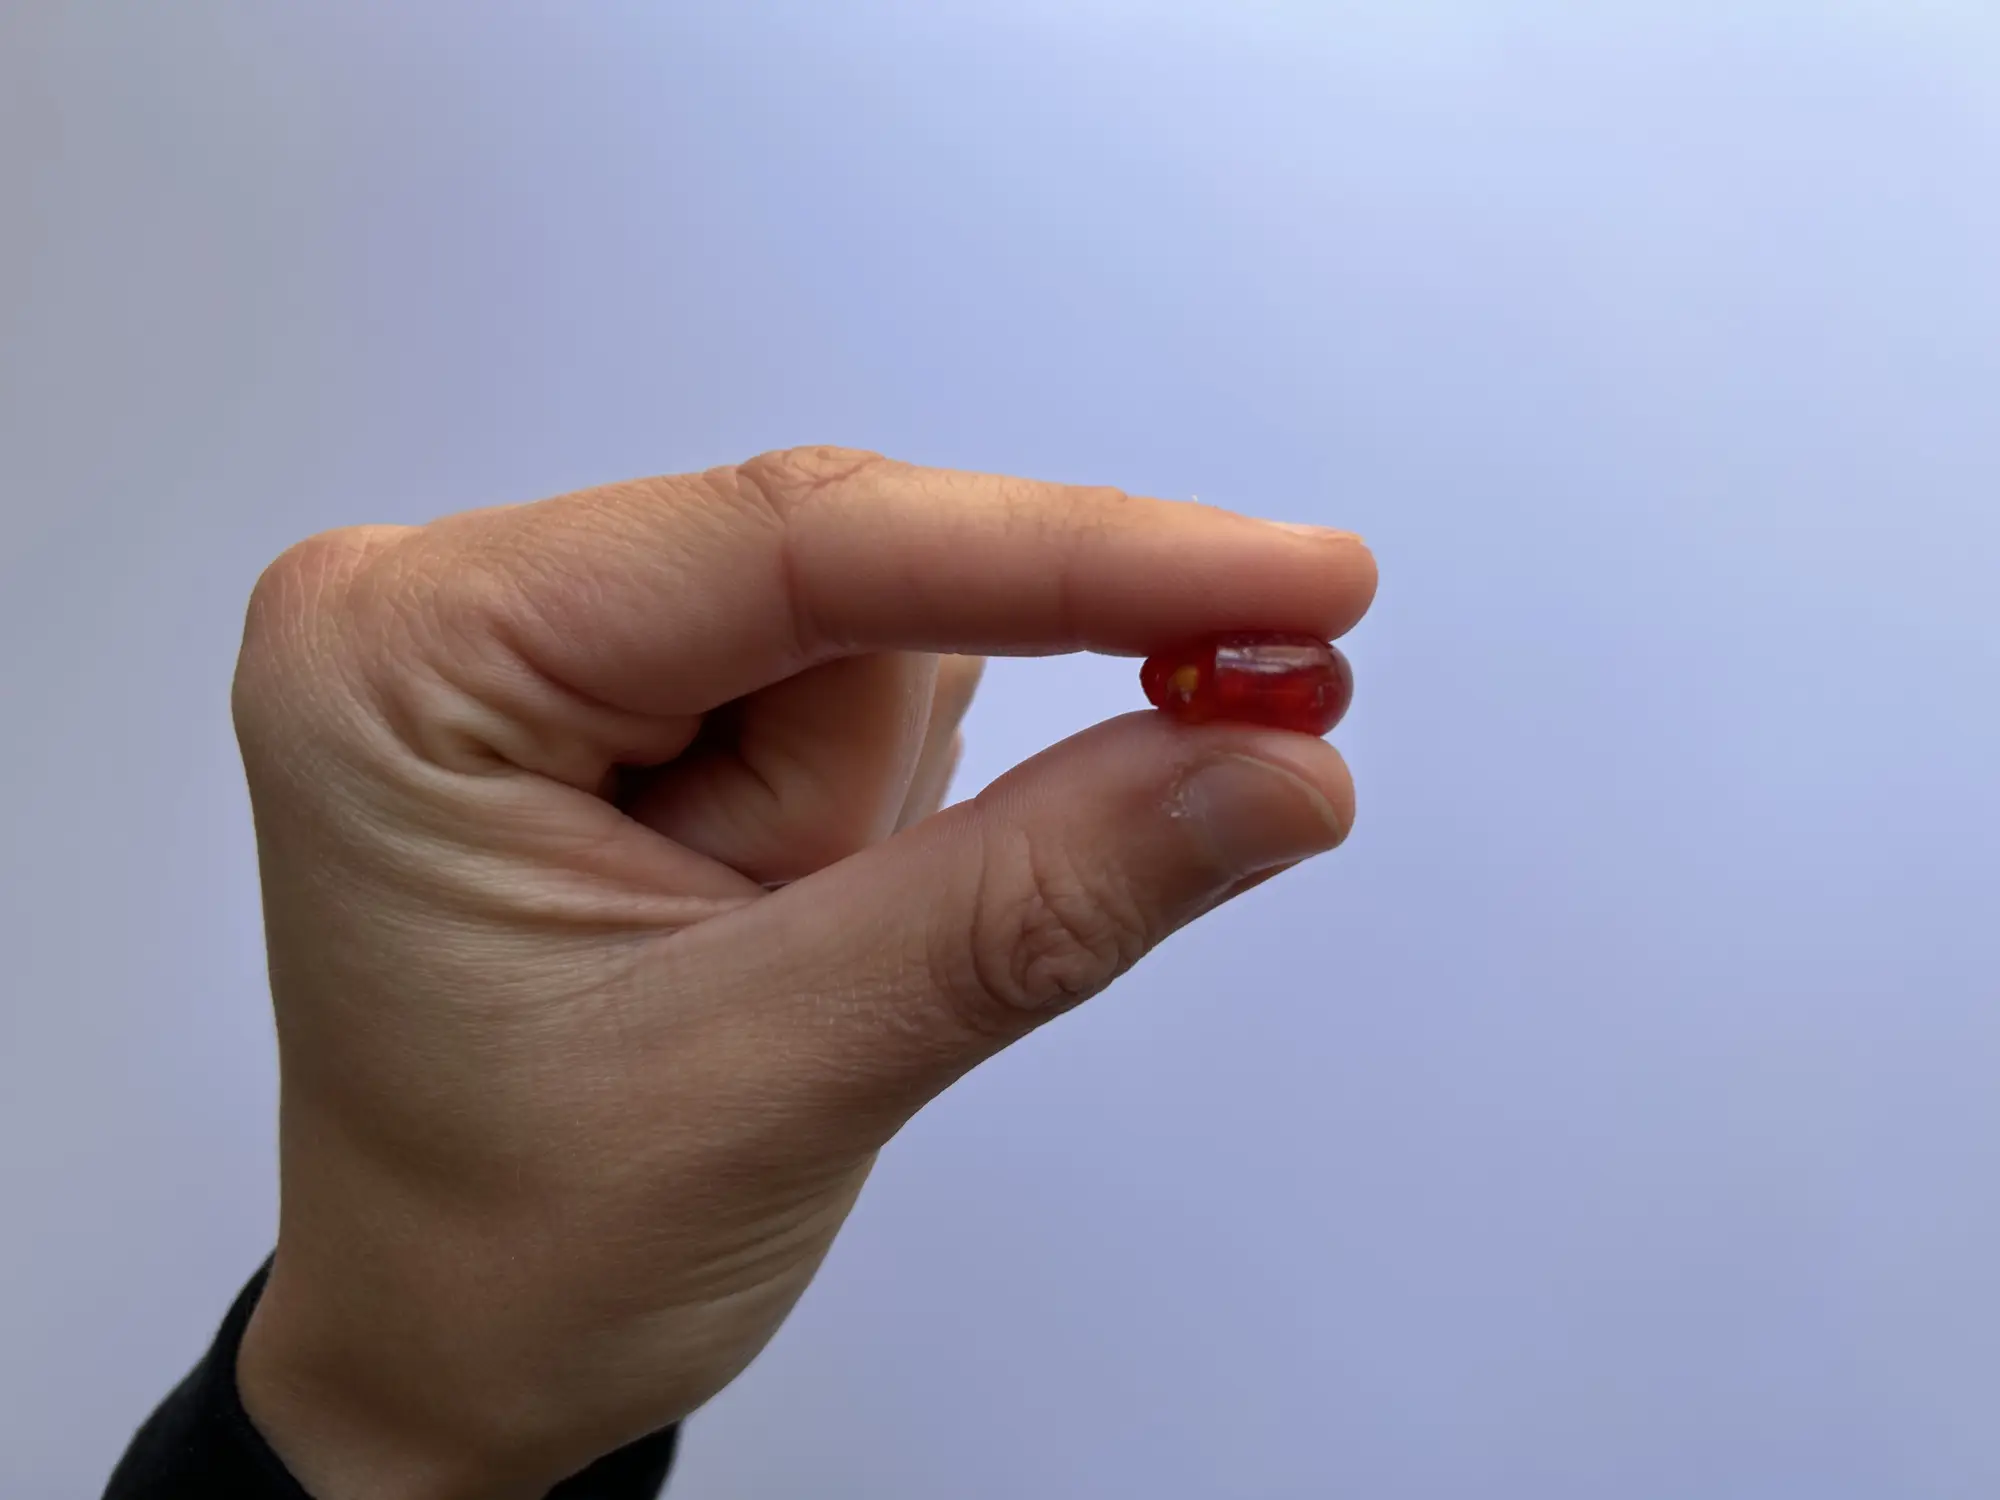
(200, 1445)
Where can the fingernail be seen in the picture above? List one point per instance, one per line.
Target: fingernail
(1256, 815)
(1325, 533)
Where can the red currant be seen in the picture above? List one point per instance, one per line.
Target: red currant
(1256, 677)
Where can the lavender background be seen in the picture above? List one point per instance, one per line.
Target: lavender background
(1616, 1115)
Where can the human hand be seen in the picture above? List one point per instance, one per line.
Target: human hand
(573, 1102)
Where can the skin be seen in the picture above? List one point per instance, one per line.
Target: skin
(614, 927)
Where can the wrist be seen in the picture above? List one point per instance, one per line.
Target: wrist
(351, 1416)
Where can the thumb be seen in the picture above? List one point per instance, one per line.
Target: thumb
(882, 978)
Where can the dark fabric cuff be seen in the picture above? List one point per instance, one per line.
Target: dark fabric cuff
(200, 1444)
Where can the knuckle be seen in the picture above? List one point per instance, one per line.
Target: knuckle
(297, 621)
(1096, 510)
(777, 486)
(1046, 935)
(785, 478)
(293, 596)
(293, 586)
(1103, 500)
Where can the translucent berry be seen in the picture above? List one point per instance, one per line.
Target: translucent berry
(1252, 677)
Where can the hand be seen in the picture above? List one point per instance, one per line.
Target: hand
(573, 1100)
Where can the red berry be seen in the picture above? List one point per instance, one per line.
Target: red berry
(1255, 677)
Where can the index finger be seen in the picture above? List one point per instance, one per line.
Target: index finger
(676, 595)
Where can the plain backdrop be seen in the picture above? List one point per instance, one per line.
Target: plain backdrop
(1618, 1114)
